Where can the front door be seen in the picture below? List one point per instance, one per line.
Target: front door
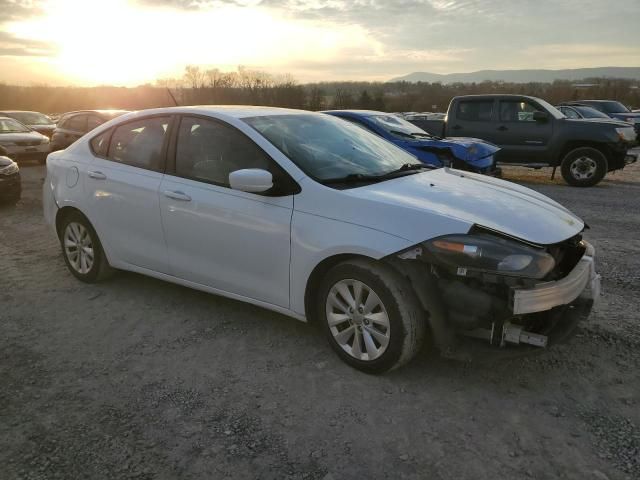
(523, 139)
(226, 239)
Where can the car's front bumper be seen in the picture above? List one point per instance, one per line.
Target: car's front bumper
(22, 153)
(582, 281)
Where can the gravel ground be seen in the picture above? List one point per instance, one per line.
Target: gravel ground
(136, 378)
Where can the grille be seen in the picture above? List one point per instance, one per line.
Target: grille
(28, 143)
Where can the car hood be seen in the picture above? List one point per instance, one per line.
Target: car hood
(602, 121)
(464, 148)
(4, 161)
(444, 201)
(630, 115)
(17, 137)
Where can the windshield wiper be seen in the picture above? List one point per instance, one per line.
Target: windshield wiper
(362, 178)
(402, 134)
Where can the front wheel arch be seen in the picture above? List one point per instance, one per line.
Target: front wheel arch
(315, 279)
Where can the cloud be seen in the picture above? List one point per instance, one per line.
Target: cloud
(12, 45)
(15, 10)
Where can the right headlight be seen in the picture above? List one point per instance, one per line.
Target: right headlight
(489, 254)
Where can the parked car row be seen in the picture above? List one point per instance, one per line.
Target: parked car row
(33, 135)
(582, 140)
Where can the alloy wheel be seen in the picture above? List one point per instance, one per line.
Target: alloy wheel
(358, 320)
(78, 247)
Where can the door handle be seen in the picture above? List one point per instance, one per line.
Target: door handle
(97, 175)
(502, 128)
(456, 127)
(177, 195)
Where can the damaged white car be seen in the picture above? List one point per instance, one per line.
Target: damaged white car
(318, 219)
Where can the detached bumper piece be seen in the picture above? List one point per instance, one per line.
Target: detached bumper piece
(583, 280)
(562, 304)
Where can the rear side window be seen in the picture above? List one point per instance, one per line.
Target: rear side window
(77, 123)
(93, 122)
(569, 112)
(140, 143)
(475, 111)
(100, 144)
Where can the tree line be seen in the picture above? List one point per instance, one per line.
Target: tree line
(199, 86)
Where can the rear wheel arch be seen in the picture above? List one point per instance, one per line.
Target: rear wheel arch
(64, 212)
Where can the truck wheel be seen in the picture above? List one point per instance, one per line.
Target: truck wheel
(371, 315)
(584, 167)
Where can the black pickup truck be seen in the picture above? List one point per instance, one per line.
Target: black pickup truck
(533, 133)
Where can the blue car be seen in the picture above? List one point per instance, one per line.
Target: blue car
(469, 154)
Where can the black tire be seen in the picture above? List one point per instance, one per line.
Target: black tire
(594, 162)
(100, 268)
(407, 323)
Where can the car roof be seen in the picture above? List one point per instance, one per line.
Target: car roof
(363, 113)
(233, 111)
(100, 112)
(496, 95)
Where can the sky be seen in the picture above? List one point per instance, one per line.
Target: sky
(131, 42)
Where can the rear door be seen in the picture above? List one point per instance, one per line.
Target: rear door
(473, 118)
(122, 185)
(523, 139)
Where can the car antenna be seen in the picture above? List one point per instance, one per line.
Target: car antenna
(175, 102)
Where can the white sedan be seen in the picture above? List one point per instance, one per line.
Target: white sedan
(318, 219)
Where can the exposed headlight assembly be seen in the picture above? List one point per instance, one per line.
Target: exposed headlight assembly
(486, 254)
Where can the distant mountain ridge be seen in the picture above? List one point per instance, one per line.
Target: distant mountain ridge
(523, 76)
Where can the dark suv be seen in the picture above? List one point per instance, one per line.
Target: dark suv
(74, 125)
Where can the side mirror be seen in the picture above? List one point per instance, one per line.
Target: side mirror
(252, 180)
(540, 116)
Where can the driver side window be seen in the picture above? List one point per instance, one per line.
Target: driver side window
(517, 111)
(209, 151)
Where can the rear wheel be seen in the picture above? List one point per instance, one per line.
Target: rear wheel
(371, 316)
(82, 249)
(584, 167)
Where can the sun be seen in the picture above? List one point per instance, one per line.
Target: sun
(119, 43)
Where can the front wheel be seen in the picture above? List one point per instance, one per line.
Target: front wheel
(371, 316)
(584, 167)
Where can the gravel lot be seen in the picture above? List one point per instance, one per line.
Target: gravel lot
(136, 378)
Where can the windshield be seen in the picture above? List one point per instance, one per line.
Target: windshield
(550, 108)
(588, 112)
(614, 107)
(31, 118)
(9, 125)
(326, 147)
(398, 126)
